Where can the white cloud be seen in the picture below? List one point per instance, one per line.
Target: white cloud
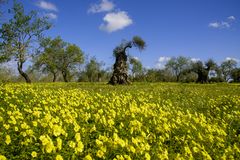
(104, 6)
(47, 5)
(195, 59)
(51, 15)
(230, 58)
(223, 24)
(115, 21)
(220, 25)
(214, 25)
(162, 62)
(232, 18)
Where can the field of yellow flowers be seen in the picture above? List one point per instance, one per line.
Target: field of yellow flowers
(140, 121)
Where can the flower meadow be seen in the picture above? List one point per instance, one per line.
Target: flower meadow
(140, 121)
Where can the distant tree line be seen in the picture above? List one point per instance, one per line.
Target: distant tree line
(182, 69)
(52, 59)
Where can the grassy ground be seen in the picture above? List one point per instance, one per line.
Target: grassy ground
(139, 121)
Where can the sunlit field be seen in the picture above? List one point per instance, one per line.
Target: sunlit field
(139, 121)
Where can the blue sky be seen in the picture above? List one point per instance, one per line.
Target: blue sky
(198, 29)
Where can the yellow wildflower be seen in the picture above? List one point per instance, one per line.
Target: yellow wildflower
(88, 157)
(59, 157)
(59, 143)
(77, 137)
(100, 153)
(57, 130)
(7, 126)
(50, 147)
(8, 139)
(35, 123)
(147, 156)
(34, 154)
(72, 144)
(2, 157)
(79, 147)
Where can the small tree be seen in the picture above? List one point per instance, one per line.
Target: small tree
(177, 66)
(137, 68)
(47, 61)
(19, 35)
(227, 67)
(200, 70)
(58, 56)
(236, 74)
(69, 59)
(7, 74)
(93, 70)
(211, 65)
(120, 68)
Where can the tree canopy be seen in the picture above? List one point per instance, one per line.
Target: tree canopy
(59, 56)
(19, 34)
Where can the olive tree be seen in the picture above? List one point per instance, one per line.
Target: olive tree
(19, 35)
(227, 67)
(203, 70)
(59, 56)
(199, 68)
(136, 67)
(120, 68)
(47, 59)
(69, 59)
(177, 66)
(93, 70)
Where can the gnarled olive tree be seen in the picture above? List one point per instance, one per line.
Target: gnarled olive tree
(120, 68)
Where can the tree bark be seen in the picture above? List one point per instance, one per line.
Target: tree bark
(54, 77)
(25, 76)
(64, 73)
(120, 73)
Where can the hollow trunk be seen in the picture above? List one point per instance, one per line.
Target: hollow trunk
(22, 73)
(120, 72)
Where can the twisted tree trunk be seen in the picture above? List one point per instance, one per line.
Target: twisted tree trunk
(120, 69)
(25, 76)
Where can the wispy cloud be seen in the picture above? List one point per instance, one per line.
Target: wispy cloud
(219, 25)
(222, 24)
(232, 18)
(104, 6)
(115, 21)
(162, 62)
(47, 5)
(214, 24)
(51, 15)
